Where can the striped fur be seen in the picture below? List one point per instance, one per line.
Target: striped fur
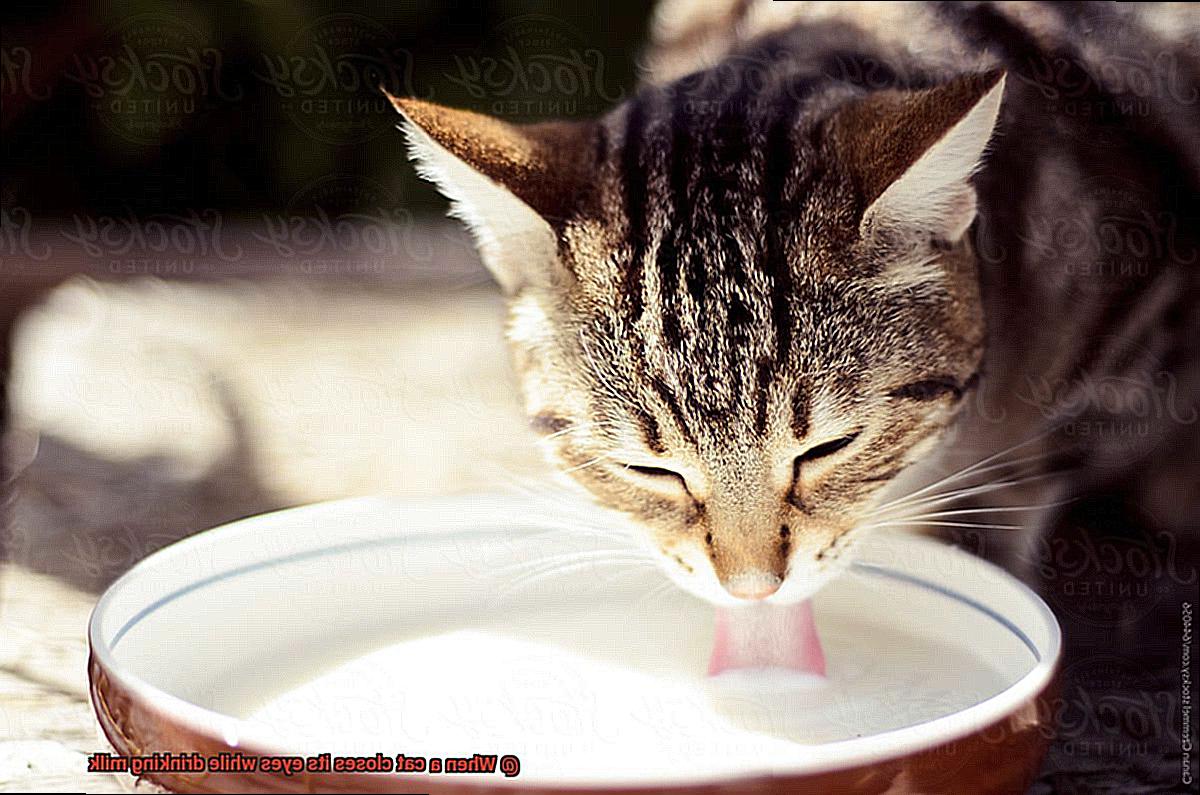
(767, 259)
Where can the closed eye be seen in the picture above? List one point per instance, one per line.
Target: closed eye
(825, 449)
(660, 475)
(653, 472)
(932, 389)
(822, 450)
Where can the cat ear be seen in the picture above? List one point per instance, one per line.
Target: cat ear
(512, 185)
(912, 154)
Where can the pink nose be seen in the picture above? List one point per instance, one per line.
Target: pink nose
(753, 586)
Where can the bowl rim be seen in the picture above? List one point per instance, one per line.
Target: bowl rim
(203, 722)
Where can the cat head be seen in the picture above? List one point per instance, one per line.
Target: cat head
(735, 325)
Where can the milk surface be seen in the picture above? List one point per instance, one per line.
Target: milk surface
(574, 716)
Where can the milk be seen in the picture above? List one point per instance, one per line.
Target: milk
(573, 716)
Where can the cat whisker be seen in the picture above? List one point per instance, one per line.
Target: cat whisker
(655, 592)
(578, 426)
(601, 377)
(959, 477)
(978, 467)
(549, 562)
(940, 523)
(965, 491)
(589, 463)
(528, 580)
(571, 508)
(1004, 509)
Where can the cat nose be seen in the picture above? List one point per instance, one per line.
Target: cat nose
(753, 586)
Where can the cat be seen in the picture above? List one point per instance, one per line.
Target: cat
(841, 266)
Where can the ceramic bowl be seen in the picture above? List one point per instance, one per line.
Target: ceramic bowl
(341, 636)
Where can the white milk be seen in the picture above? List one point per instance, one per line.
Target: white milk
(569, 715)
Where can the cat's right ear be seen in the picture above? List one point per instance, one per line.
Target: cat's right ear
(512, 185)
(911, 155)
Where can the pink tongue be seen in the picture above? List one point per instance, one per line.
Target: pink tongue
(767, 636)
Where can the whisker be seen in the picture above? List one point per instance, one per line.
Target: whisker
(531, 578)
(939, 523)
(591, 463)
(565, 505)
(655, 592)
(605, 385)
(1005, 509)
(978, 468)
(578, 426)
(550, 561)
(966, 491)
(973, 468)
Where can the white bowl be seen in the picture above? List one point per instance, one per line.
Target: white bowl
(369, 626)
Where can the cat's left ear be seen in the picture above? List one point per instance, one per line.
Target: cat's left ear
(512, 185)
(912, 153)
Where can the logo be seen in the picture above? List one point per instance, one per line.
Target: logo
(1113, 234)
(16, 75)
(536, 67)
(17, 243)
(1111, 576)
(1116, 412)
(329, 78)
(345, 225)
(1112, 707)
(155, 73)
(1119, 84)
(183, 244)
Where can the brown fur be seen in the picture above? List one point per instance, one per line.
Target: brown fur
(880, 137)
(544, 165)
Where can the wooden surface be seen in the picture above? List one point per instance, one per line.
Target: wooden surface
(46, 724)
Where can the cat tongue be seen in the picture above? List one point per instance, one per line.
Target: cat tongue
(767, 636)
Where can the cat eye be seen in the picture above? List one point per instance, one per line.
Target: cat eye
(654, 472)
(932, 389)
(660, 474)
(825, 449)
(822, 450)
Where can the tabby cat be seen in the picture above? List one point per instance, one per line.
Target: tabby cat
(832, 261)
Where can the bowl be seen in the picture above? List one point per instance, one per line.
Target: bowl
(486, 644)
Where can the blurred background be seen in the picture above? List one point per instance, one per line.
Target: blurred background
(218, 270)
(223, 291)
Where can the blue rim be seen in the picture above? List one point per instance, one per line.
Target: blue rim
(860, 567)
(883, 571)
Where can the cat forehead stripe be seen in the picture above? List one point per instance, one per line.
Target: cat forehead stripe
(709, 184)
